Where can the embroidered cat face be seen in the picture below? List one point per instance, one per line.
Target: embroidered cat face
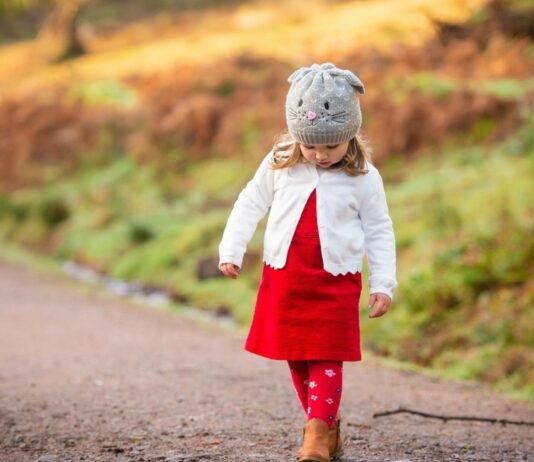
(324, 114)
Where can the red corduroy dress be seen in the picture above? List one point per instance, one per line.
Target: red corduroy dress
(303, 312)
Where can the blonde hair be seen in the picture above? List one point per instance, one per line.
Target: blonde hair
(286, 153)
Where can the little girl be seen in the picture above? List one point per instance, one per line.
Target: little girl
(327, 207)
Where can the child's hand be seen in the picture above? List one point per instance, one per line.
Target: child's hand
(230, 270)
(380, 304)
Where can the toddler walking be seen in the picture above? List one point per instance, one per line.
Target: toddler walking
(327, 207)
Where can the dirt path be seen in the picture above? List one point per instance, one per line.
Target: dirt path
(85, 376)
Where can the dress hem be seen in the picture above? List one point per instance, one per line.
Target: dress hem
(308, 356)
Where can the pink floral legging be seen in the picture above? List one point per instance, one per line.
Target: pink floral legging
(318, 385)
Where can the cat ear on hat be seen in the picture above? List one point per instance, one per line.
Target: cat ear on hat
(354, 81)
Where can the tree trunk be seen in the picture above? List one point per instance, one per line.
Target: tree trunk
(59, 34)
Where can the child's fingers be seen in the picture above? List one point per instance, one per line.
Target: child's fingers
(230, 270)
(373, 303)
(230, 274)
(378, 310)
(233, 271)
(381, 305)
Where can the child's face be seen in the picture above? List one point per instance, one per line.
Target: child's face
(324, 155)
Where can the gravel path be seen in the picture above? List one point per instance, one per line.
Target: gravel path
(87, 376)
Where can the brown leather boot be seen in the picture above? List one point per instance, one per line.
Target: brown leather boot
(335, 439)
(315, 447)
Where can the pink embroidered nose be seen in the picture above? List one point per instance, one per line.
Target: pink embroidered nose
(311, 115)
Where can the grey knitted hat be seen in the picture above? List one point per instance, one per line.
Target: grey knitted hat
(322, 106)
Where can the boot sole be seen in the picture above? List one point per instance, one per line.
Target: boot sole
(337, 455)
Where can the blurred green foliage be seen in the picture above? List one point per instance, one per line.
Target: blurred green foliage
(110, 92)
(463, 220)
(53, 211)
(22, 19)
(20, 6)
(428, 83)
(507, 88)
(424, 82)
(110, 9)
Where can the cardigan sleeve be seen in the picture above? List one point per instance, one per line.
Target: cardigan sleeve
(379, 239)
(250, 207)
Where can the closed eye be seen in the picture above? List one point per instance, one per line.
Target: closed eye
(329, 147)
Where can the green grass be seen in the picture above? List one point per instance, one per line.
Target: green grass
(463, 220)
(104, 92)
(434, 85)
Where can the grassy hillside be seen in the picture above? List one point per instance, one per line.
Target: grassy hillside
(464, 222)
(463, 219)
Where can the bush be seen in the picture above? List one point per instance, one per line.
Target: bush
(53, 211)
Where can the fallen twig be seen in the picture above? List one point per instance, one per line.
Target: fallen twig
(447, 418)
(186, 457)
